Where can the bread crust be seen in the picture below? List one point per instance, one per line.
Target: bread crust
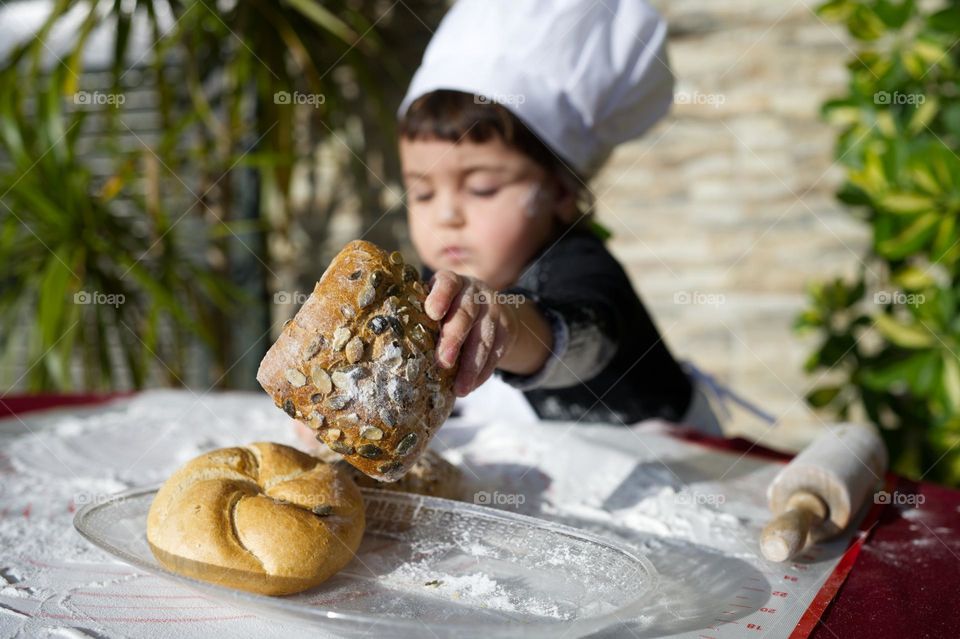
(265, 518)
(357, 363)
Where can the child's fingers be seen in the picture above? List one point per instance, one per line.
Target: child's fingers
(475, 352)
(458, 321)
(444, 287)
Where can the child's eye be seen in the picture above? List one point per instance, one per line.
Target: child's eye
(485, 192)
(422, 197)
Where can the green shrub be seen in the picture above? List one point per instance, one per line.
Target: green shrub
(892, 337)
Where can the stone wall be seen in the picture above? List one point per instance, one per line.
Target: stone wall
(726, 209)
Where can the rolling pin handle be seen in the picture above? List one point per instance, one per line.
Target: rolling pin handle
(787, 534)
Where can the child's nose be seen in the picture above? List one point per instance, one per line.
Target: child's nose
(450, 214)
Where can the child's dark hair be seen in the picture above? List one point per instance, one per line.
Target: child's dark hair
(453, 116)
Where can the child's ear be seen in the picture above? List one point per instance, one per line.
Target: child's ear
(565, 203)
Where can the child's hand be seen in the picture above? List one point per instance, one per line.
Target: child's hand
(473, 327)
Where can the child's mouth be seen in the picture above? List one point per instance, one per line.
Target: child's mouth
(454, 254)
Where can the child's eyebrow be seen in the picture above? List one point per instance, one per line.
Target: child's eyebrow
(493, 168)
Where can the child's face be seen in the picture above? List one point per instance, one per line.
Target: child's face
(473, 207)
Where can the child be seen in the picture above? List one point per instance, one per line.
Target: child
(514, 107)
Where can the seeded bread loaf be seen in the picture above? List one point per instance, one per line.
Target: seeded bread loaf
(357, 363)
(265, 518)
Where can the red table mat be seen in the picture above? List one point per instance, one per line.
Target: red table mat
(19, 404)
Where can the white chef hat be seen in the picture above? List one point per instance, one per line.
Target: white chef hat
(583, 75)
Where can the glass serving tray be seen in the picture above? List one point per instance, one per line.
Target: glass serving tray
(461, 570)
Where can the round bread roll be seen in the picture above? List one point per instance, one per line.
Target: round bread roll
(266, 518)
(357, 363)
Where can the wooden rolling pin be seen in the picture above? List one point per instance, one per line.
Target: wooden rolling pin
(816, 494)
